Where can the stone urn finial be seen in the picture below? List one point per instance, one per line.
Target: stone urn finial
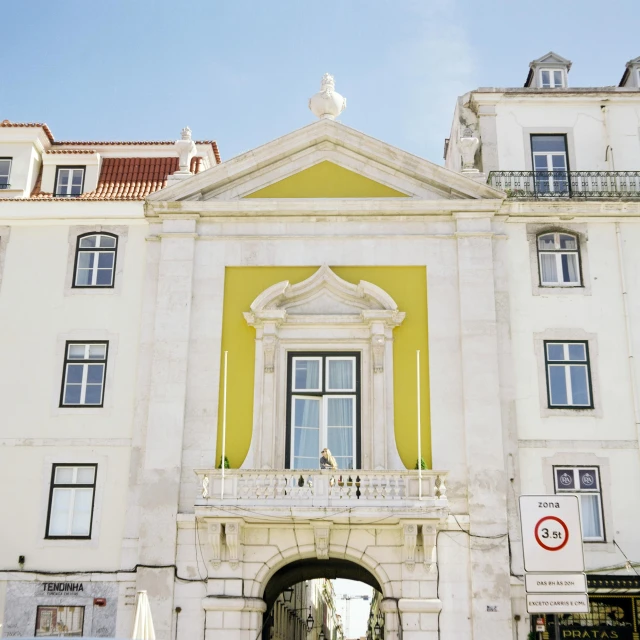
(185, 134)
(186, 149)
(327, 103)
(469, 144)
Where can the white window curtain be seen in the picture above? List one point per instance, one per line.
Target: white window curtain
(340, 375)
(591, 521)
(340, 425)
(548, 267)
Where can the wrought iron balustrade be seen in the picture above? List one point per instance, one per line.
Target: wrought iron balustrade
(316, 488)
(5, 185)
(567, 184)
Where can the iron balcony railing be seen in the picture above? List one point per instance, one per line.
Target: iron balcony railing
(567, 184)
(4, 185)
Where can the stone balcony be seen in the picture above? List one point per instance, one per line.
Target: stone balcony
(307, 491)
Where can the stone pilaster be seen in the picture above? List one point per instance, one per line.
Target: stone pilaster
(159, 479)
(490, 603)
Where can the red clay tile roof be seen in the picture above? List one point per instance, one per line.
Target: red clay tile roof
(7, 123)
(66, 151)
(124, 179)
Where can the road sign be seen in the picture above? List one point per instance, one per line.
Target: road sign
(551, 533)
(555, 583)
(558, 603)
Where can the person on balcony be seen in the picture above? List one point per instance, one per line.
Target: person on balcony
(327, 461)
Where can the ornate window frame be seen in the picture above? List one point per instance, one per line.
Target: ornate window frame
(326, 314)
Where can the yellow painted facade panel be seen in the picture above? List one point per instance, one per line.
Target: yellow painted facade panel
(406, 285)
(327, 180)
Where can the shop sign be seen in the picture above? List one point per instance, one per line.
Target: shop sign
(558, 603)
(555, 583)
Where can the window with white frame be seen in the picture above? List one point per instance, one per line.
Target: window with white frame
(5, 172)
(568, 375)
(95, 260)
(585, 483)
(323, 409)
(551, 79)
(550, 164)
(71, 499)
(85, 366)
(559, 260)
(69, 181)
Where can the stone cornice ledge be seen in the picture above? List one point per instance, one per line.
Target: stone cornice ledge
(277, 207)
(420, 605)
(570, 208)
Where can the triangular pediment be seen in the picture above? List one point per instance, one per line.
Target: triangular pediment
(326, 159)
(327, 180)
(551, 59)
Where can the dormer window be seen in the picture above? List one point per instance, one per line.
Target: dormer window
(551, 79)
(69, 182)
(5, 171)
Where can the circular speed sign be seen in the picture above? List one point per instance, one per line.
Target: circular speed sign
(551, 533)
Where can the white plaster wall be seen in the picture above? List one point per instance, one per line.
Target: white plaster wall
(590, 127)
(610, 433)
(35, 318)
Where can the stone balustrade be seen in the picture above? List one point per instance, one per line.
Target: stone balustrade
(316, 488)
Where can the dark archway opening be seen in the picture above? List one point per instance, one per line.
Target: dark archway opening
(290, 577)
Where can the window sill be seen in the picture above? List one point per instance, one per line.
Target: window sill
(550, 412)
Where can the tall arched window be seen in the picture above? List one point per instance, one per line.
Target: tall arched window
(95, 260)
(559, 260)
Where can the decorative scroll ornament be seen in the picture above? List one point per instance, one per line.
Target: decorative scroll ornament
(205, 487)
(232, 535)
(327, 103)
(377, 348)
(410, 532)
(321, 535)
(429, 533)
(215, 535)
(269, 350)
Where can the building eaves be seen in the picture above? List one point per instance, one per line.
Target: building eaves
(37, 125)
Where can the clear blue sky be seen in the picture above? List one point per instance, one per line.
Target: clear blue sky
(241, 72)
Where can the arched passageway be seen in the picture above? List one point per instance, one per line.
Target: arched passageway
(295, 577)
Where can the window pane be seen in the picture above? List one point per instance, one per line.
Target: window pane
(81, 520)
(547, 241)
(83, 277)
(340, 375)
(557, 78)
(74, 373)
(77, 177)
(579, 388)
(540, 163)
(307, 445)
(588, 479)
(4, 170)
(559, 163)
(104, 277)
(568, 242)
(548, 268)
(105, 260)
(548, 144)
(591, 521)
(86, 259)
(107, 241)
(565, 479)
(340, 443)
(546, 81)
(97, 351)
(60, 507)
(76, 351)
(72, 394)
(88, 242)
(307, 374)
(93, 394)
(340, 412)
(577, 351)
(306, 412)
(64, 475)
(63, 177)
(558, 385)
(569, 267)
(555, 352)
(94, 373)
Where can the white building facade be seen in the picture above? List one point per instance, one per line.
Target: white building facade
(319, 263)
